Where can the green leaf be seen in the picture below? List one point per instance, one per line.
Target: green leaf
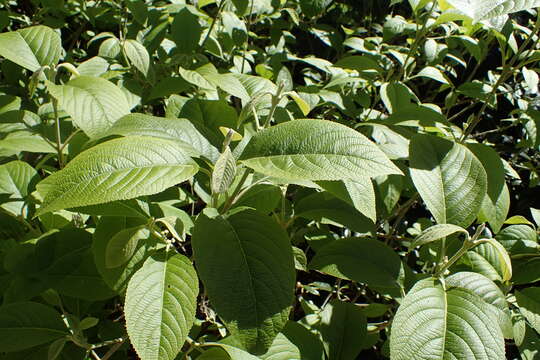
(224, 172)
(295, 342)
(123, 245)
(181, 130)
(364, 260)
(66, 264)
(107, 227)
(27, 324)
(343, 328)
(519, 239)
(358, 193)
(529, 304)
(245, 262)
(497, 202)
(327, 209)
(450, 179)
(481, 10)
(32, 47)
(93, 103)
(437, 232)
(137, 55)
(434, 74)
(527, 340)
(485, 259)
(504, 259)
(315, 150)
(17, 180)
(435, 323)
(119, 169)
(311, 8)
(396, 96)
(358, 63)
(161, 301)
(186, 31)
(489, 292)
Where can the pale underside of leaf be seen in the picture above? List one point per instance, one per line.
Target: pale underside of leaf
(160, 306)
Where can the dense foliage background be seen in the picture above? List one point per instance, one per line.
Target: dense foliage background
(163, 197)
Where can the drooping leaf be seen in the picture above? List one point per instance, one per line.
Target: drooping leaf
(94, 103)
(450, 179)
(160, 306)
(434, 323)
(27, 324)
(119, 169)
(31, 47)
(315, 150)
(245, 262)
(364, 260)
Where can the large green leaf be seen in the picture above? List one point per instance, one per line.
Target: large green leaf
(343, 327)
(496, 204)
(123, 245)
(32, 47)
(160, 307)
(27, 324)
(434, 323)
(364, 260)
(246, 264)
(119, 169)
(186, 31)
(529, 304)
(450, 179)
(181, 130)
(315, 150)
(17, 179)
(94, 103)
(486, 260)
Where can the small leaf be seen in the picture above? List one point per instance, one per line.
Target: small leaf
(437, 232)
(434, 74)
(120, 169)
(504, 259)
(56, 348)
(315, 150)
(137, 55)
(27, 324)
(224, 172)
(359, 193)
(186, 31)
(160, 306)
